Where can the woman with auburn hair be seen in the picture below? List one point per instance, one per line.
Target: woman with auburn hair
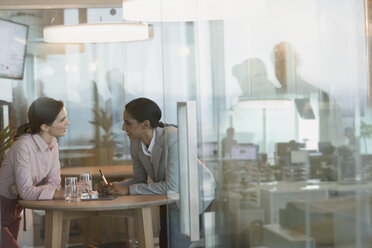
(31, 168)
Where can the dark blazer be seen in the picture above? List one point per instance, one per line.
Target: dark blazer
(162, 168)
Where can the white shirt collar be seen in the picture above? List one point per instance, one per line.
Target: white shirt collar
(148, 151)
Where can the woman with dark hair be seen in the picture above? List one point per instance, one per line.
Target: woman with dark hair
(31, 168)
(153, 148)
(154, 152)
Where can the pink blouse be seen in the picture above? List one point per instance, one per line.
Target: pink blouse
(28, 161)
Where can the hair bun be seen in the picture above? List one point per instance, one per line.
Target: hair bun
(161, 124)
(23, 129)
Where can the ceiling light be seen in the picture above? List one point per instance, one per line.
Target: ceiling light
(190, 10)
(97, 33)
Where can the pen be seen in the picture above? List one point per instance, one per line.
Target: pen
(103, 176)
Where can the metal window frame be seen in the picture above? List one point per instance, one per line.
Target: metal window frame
(187, 156)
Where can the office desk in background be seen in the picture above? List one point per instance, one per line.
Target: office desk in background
(276, 196)
(76, 158)
(273, 197)
(59, 213)
(110, 171)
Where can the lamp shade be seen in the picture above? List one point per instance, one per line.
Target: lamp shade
(97, 33)
(190, 10)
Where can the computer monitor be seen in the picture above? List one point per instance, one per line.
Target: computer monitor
(325, 147)
(299, 157)
(282, 148)
(244, 152)
(13, 40)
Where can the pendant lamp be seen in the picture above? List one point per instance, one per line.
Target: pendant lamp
(97, 33)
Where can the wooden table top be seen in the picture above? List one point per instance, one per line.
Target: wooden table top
(108, 170)
(120, 203)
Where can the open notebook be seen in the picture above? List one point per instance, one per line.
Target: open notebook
(101, 198)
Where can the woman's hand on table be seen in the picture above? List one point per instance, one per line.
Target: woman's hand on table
(117, 189)
(103, 188)
(113, 189)
(59, 195)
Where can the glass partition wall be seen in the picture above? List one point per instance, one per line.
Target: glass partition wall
(283, 123)
(282, 98)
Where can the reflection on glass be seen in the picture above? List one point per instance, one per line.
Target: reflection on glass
(252, 78)
(291, 80)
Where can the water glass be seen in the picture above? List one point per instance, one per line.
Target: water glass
(85, 183)
(71, 194)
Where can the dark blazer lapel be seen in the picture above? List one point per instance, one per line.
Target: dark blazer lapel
(157, 151)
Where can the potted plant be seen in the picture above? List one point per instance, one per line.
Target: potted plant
(102, 122)
(365, 133)
(6, 141)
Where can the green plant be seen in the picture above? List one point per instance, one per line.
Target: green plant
(365, 133)
(101, 120)
(6, 141)
(104, 121)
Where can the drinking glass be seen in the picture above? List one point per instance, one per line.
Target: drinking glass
(71, 189)
(85, 183)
